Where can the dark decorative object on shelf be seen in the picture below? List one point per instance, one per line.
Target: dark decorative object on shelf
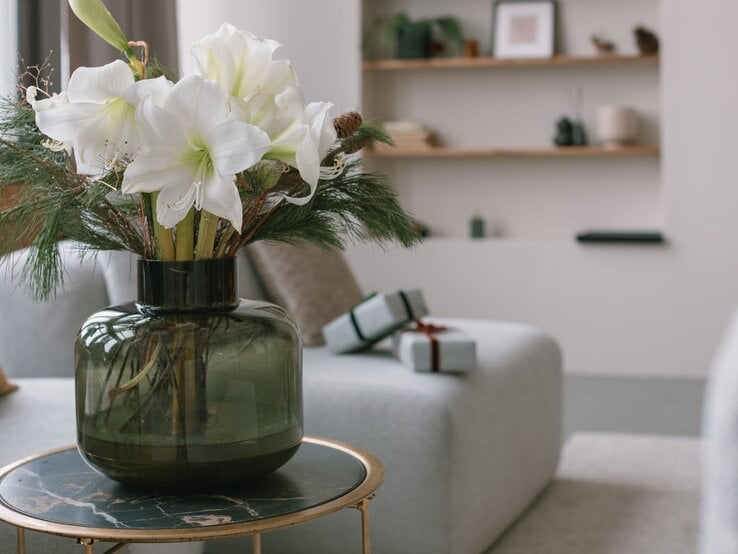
(604, 47)
(418, 39)
(578, 134)
(569, 133)
(563, 132)
(476, 227)
(647, 41)
(638, 237)
(414, 41)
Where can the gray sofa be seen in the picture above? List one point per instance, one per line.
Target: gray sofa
(463, 455)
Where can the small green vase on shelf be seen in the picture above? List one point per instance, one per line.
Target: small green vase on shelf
(189, 388)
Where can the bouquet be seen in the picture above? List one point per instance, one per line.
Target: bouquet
(128, 159)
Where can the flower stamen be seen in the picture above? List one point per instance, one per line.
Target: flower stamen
(335, 170)
(54, 145)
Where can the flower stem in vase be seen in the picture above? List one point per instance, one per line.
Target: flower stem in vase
(164, 237)
(206, 235)
(185, 407)
(185, 244)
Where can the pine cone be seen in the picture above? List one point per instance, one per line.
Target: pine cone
(347, 124)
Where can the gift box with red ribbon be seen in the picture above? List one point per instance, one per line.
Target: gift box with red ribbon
(428, 347)
(376, 318)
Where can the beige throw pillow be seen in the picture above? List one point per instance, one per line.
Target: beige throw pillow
(5, 387)
(313, 285)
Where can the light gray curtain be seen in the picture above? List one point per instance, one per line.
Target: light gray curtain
(38, 37)
(153, 21)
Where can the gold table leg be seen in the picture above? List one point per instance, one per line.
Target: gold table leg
(363, 507)
(21, 540)
(89, 545)
(256, 538)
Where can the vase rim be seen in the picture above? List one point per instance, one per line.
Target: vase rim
(187, 285)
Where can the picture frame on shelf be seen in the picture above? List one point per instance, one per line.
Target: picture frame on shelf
(523, 29)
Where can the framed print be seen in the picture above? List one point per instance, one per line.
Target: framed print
(523, 28)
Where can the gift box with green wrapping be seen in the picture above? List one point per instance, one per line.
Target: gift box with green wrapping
(377, 317)
(424, 346)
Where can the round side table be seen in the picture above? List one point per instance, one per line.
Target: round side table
(58, 493)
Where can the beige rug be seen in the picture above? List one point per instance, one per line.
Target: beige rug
(615, 494)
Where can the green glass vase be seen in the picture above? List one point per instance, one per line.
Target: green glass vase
(189, 388)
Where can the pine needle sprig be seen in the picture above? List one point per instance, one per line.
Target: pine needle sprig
(356, 205)
(367, 207)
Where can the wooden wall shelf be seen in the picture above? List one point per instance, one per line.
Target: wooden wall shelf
(571, 151)
(487, 61)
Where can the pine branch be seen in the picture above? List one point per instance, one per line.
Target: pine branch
(356, 205)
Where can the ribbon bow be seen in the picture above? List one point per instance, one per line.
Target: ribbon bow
(430, 330)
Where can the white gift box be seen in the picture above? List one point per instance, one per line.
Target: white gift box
(455, 351)
(375, 318)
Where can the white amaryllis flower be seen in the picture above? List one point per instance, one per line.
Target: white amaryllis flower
(301, 135)
(194, 151)
(98, 119)
(241, 63)
(264, 92)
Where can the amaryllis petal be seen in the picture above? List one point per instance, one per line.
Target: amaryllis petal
(321, 126)
(41, 104)
(308, 163)
(159, 128)
(221, 198)
(200, 104)
(99, 84)
(173, 203)
(215, 62)
(150, 174)
(279, 75)
(93, 154)
(236, 146)
(157, 88)
(63, 122)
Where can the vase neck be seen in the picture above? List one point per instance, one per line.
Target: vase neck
(187, 285)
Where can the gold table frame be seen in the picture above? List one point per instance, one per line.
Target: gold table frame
(358, 498)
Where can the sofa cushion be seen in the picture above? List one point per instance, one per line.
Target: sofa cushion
(313, 285)
(37, 338)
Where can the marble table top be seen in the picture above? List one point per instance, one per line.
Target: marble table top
(61, 488)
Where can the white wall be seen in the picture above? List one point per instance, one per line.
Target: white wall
(615, 310)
